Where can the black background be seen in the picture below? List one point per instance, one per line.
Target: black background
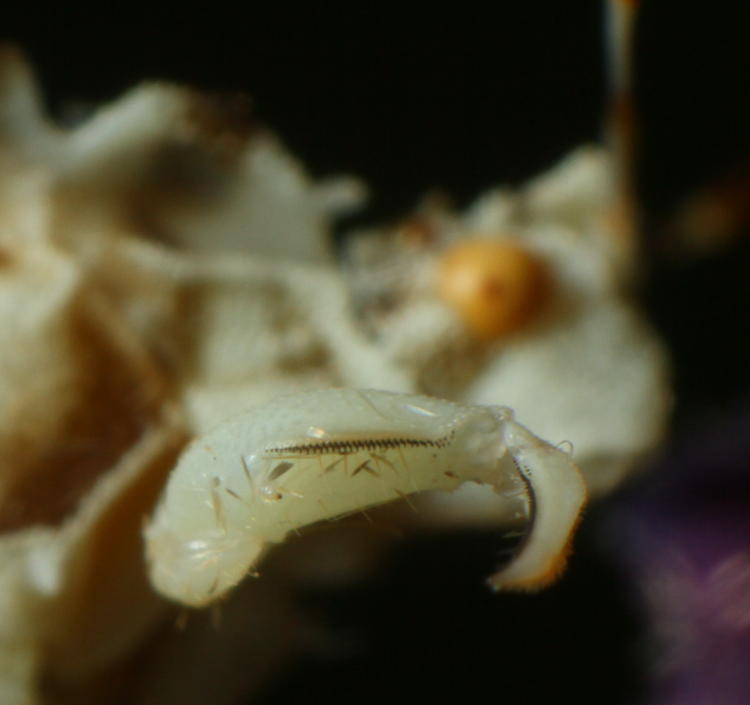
(462, 98)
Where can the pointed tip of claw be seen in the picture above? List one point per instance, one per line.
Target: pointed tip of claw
(532, 582)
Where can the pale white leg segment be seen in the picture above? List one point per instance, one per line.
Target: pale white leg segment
(324, 454)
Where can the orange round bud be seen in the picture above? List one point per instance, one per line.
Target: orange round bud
(496, 286)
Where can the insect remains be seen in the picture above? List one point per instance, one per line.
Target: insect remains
(321, 455)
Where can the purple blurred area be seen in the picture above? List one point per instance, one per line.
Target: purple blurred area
(684, 533)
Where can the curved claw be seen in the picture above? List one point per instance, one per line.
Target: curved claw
(557, 494)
